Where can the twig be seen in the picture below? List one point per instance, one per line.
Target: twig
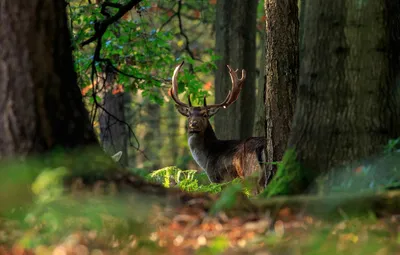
(187, 48)
(115, 69)
(179, 15)
(102, 26)
(186, 16)
(168, 21)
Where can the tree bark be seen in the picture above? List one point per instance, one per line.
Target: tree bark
(235, 43)
(113, 130)
(282, 69)
(259, 124)
(170, 149)
(151, 120)
(348, 102)
(40, 100)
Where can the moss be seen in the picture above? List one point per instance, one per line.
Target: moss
(289, 178)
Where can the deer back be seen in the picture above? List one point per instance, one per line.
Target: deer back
(225, 160)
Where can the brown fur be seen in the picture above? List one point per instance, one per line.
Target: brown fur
(224, 160)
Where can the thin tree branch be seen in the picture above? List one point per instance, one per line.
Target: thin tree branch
(114, 68)
(102, 26)
(168, 21)
(179, 15)
(186, 16)
(187, 48)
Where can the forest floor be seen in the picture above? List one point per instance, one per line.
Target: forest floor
(191, 229)
(288, 233)
(97, 219)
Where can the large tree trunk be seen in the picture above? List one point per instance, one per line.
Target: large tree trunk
(282, 68)
(235, 43)
(348, 105)
(41, 104)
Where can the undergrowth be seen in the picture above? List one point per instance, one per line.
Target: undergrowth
(189, 180)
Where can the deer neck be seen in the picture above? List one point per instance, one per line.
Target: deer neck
(199, 144)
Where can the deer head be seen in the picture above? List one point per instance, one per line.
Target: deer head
(198, 115)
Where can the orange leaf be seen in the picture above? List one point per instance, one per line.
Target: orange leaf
(154, 7)
(196, 14)
(358, 169)
(126, 16)
(263, 18)
(170, 13)
(207, 85)
(19, 250)
(118, 89)
(285, 212)
(212, 1)
(86, 89)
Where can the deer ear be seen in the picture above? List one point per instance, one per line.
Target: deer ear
(184, 110)
(212, 111)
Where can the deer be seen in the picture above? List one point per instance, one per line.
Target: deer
(222, 160)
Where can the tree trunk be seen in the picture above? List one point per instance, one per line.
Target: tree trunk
(348, 105)
(42, 108)
(259, 125)
(150, 136)
(41, 103)
(113, 130)
(170, 149)
(282, 68)
(235, 43)
(301, 4)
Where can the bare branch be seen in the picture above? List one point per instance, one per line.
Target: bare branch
(102, 26)
(168, 21)
(187, 48)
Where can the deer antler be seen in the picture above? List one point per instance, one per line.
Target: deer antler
(174, 89)
(233, 94)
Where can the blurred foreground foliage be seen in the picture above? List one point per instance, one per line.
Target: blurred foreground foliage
(39, 212)
(38, 209)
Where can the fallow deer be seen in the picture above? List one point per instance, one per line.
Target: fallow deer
(222, 160)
